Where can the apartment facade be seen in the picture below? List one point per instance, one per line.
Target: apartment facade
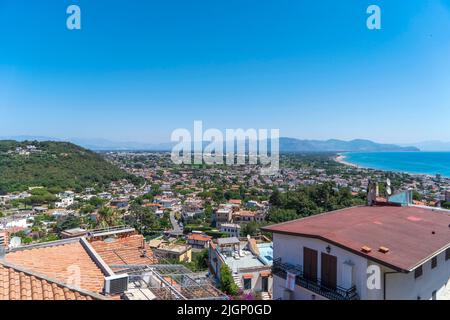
(232, 229)
(369, 253)
(198, 240)
(249, 262)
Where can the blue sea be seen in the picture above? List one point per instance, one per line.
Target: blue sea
(411, 162)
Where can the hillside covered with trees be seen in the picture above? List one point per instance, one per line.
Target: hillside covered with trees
(54, 165)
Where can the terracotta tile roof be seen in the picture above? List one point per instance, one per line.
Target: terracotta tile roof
(245, 213)
(198, 237)
(61, 262)
(126, 250)
(412, 234)
(20, 284)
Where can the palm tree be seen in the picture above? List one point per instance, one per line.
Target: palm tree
(107, 217)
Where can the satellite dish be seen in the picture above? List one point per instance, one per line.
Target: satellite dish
(388, 190)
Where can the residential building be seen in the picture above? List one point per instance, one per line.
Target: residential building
(198, 240)
(65, 202)
(191, 210)
(250, 263)
(88, 267)
(223, 215)
(235, 202)
(119, 202)
(173, 251)
(245, 216)
(232, 229)
(73, 233)
(379, 252)
(105, 195)
(19, 283)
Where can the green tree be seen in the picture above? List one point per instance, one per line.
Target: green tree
(96, 202)
(251, 228)
(201, 260)
(69, 222)
(227, 283)
(275, 198)
(281, 215)
(107, 217)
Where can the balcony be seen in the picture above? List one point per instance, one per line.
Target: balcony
(281, 269)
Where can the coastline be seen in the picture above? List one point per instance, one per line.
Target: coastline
(341, 158)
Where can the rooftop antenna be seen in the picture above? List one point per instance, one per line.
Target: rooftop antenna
(388, 187)
(372, 192)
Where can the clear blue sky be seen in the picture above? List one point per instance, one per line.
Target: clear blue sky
(139, 69)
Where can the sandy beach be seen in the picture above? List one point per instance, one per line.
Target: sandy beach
(341, 159)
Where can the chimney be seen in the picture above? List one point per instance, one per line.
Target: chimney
(3, 244)
(372, 192)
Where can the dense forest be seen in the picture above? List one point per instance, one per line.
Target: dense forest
(58, 165)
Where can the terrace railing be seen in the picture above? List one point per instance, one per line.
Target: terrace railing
(253, 269)
(110, 231)
(315, 285)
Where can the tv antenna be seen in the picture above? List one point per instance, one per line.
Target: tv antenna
(388, 187)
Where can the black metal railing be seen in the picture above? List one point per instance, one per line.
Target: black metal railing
(315, 285)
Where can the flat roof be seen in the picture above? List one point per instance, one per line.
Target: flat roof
(228, 241)
(413, 235)
(249, 260)
(230, 225)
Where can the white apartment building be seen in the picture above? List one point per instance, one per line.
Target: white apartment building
(232, 229)
(65, 202)
(371, 252)
(249, 262)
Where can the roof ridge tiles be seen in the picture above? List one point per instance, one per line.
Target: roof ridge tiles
(45, 281)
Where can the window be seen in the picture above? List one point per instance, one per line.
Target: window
(447, 254)
(247, 284)
(433, 263)
(418, 272)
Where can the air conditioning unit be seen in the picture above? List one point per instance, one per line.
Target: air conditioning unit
(116, 284)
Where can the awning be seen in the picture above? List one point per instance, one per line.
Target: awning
(265, 274)
(247, 276)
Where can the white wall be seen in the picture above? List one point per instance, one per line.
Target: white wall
(299, 293)
(257, 281)
(398, 285)
(290, 249)
(405, 286)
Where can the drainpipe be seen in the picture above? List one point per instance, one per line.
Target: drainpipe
(384, 283)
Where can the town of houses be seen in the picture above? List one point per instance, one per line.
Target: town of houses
(325, 256)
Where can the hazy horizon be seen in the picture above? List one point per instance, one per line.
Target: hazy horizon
(430, 145)
(137, 71)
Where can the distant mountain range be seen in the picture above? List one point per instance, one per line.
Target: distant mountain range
(333, 145)
(432, 145)
(286, 145)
